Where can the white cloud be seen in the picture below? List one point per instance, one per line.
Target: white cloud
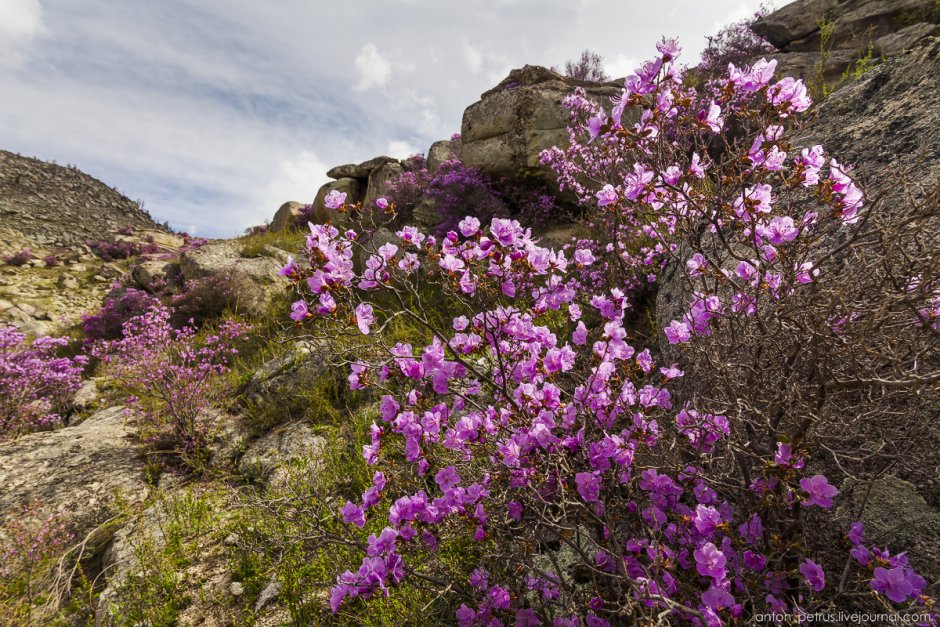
(374, 69)
(620, 66)
(473, 57)
(20, 22)
(401, 149)
(297, 178)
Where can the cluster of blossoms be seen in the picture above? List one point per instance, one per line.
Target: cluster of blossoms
(34, 383)
(538, 427)
(173, 376)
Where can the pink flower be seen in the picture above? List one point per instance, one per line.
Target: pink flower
(364, 318)
(678, 332)
(353, 514)
(381, 203)
(299, 311)
(710, 562)
(335, 199)
(814, 575)
(607, 196)
(898, 584)
(589, 486)
(469, 226)
(819, 491)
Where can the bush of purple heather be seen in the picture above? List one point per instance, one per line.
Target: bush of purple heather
(600, 479)
(35, 383)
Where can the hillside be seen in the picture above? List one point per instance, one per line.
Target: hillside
(674, 361)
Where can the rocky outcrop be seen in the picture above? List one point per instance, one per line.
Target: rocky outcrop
(358, 171)
(267, 459)
(255, 278)
(56, 206)
(503, 133)
(287, 216)
(353, 188)
(78, 470)
(377, 186)
(441, 151)
(886, 27)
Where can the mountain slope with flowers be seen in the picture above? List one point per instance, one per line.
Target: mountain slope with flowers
(689, 378)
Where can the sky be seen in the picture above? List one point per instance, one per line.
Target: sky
(215, 112)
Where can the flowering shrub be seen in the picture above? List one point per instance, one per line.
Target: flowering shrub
(19, 259)
(172, 377)
(51, 261)
(598, 490)
(202, 300)
(108, 322)
(28, 542)
(588, 67)
(112, 251)
(34, 384)
(736, 44)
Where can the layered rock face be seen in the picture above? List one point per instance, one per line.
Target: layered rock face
(847, 30)
(505, 131)
(55, 206)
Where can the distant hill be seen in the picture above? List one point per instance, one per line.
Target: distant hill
(51, 205)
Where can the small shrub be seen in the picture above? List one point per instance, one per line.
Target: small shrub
(29, 544)
(204, 300)
(19, 259)
(588, 67)
(173, 377)
(108, 322)
(51, 261)
(736, 44)
(113, 251)
(35, 384)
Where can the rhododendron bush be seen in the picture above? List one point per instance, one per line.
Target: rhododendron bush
(35, 384)
(173, 378)
(600, 483)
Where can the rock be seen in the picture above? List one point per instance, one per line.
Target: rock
(150, 274)
(256, 279)
(99, 278)
(5, 304)
(166, 241)
(504, 132)
(895, 515)
(78, 470)
(280, 381)
(441, 151)
(267, 595)
(360, 171)
(905, 39)
(287, 216)
(236, 589)
(378, 183)
(267, 458)
(426, 215)
(380, 237)
(797, 20)
(804, 65)
(86, 396)
(320, 214)
(67, 282)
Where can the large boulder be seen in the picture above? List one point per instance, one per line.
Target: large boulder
(256, 278)
(505, 131)
(441, 151)
(855, 28)
(287, 216)
(378, 183)
(267, 459)
(358, 171)
(79, 470)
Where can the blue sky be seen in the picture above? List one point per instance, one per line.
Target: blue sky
(214, 112)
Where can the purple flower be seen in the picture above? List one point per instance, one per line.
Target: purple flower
(814, 575)
(353, 514)
(589, 486)
(717, 598)
(898, 584)
(607, 196)
(447, 478)
(364, 318)
(335, 199)
(289, 268)
(706, 519)
(710, 562)
(469, 226)
(678, 332)
(819, 491)
(299, 311)
(856, 533)
(381, 203)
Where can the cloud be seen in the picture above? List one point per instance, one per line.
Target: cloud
(374, 69)
(402, 149)
(473, 57)
(621, 66)
(20, 22)
(297, 178)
